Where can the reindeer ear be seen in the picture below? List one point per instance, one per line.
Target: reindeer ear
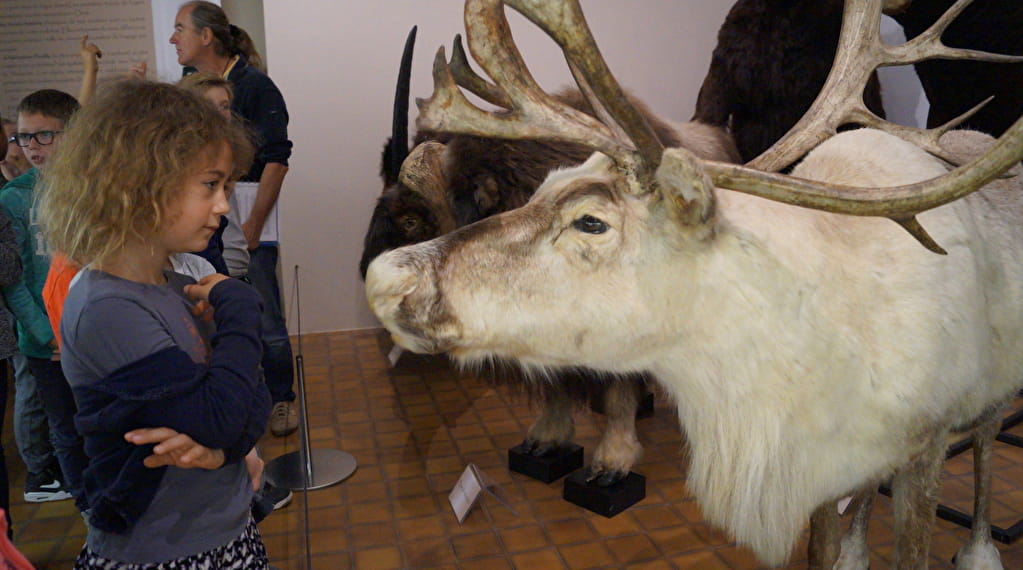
(685, 187)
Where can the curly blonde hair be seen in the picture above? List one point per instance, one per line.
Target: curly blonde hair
(202, 81)
(124, 159)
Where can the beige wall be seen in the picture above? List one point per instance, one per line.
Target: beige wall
(336, 64)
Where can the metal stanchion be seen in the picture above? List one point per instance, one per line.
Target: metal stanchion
(307, 468)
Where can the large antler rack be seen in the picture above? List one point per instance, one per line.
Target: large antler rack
(860, 52)
(901, 203)
(527, 112)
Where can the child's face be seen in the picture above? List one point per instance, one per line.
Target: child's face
(220, 99)
(40, 126)
(194, 215)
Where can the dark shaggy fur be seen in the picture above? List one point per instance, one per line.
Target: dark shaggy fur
(953, 87)
(771, 60)
(583, 386)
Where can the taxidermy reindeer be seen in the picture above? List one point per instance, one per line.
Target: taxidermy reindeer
(812, 347)
(770, 62)
(953, 87)
(451, 180)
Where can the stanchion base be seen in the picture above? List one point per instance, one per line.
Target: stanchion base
(329, 466)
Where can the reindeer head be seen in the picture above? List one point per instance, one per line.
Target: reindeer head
(450, 180)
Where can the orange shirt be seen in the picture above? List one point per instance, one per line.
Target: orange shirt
(58, 281)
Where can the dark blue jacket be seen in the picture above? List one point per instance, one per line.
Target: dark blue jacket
(222, 405)
(259, 102)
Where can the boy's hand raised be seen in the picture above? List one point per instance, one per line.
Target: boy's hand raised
(90, 53)
(138, 70)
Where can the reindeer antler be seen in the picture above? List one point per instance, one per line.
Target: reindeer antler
(530, 113)
(901, 203)
(624, 135)
(860, 52)
(469, 80)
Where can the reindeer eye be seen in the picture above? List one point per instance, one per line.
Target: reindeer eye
(590, 225)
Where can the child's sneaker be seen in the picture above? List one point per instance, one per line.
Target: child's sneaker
(269, 499)
(279, 496)
(43, 487)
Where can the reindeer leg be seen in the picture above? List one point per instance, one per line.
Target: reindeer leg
(915, 498)
(619, 449)
(980, 552)
(555, 427)
(855, 555)
(823, 547)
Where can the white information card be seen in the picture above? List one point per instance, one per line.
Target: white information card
(466, 493)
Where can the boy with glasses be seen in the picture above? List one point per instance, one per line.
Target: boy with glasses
(41, 119)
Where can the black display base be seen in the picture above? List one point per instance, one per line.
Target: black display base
(606, 501)
(548, 467)
(645, 409)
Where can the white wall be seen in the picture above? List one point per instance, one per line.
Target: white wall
(336, 64)
(904, 99)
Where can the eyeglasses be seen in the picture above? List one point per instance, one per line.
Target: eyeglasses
(42, 137)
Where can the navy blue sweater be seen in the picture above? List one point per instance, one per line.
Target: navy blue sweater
(222, 405)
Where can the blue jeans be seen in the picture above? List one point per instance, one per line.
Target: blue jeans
(59, 403)
(277, 359)
(31, 431)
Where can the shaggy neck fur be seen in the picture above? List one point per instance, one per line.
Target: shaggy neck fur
(795, 364)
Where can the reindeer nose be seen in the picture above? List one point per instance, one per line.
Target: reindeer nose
(387, 284)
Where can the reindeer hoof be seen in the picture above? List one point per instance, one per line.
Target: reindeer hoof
(602, 478)
(540, 449)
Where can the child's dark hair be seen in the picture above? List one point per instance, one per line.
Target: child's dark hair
(124, 160)
(49, 102)
(231, 40)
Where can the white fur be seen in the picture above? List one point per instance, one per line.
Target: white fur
(809, 353)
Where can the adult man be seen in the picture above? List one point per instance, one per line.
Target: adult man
(205, 40)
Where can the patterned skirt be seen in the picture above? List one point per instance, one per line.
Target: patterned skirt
(243, 553)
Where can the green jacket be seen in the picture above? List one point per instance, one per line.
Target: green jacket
(25, 297)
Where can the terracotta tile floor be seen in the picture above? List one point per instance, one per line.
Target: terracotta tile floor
(414, 428)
